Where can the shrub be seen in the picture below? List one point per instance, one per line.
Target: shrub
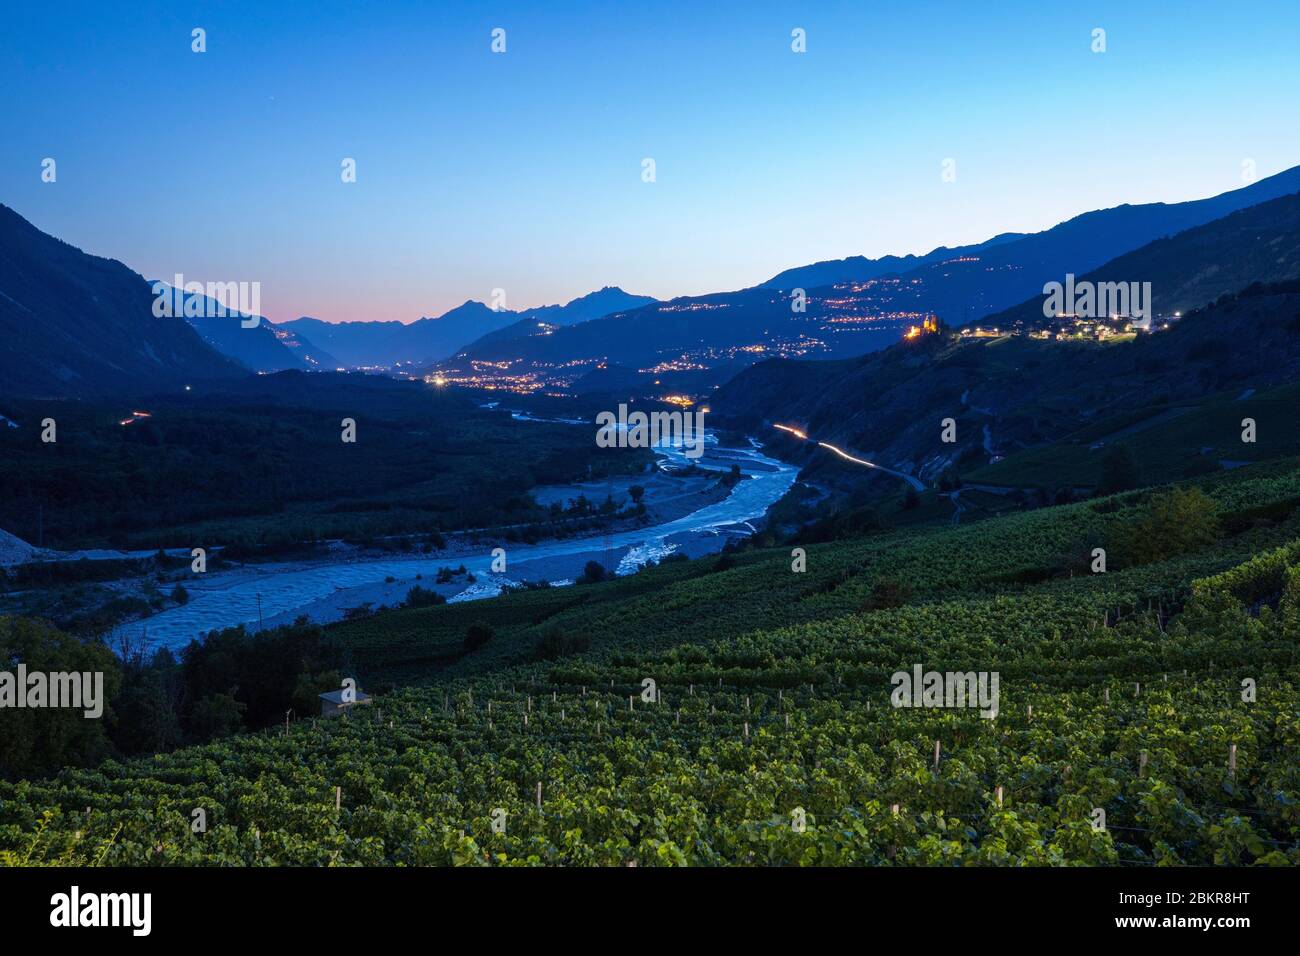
(423, 597)
(477, 635)
(557, 644)
(1172, 523)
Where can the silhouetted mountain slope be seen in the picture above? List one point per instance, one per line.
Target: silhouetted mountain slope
(860, 268)
(973, 282)
(1196, 266)
(593, 305)
(704, 337)
(1012, 393)
(264, 347)
(73, 324)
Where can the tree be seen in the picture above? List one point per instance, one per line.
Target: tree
(1119, 472)
(1172, 523)
(146, 720)
(477, 635)
(34, 740)
(557, 644)
(887, 593)
(218, 715)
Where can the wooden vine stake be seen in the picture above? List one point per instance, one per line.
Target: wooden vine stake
(539, 795)
(998, 792)
(338, 798)
(1142, 764)
(1232, 760)
(936, 756)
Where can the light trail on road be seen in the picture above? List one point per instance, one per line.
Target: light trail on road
(914, 482)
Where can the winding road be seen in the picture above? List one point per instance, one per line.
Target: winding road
(916, 483)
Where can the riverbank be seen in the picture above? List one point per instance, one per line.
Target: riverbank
(323, 588)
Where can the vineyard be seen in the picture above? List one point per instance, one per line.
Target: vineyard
(740, 713)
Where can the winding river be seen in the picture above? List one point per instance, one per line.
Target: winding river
(278, 592)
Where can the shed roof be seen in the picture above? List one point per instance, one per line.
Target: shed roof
(336, 697)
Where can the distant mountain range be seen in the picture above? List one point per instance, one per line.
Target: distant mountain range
(1236, 280)
(695, 342)
(860, 268)
(1257, 244)
(74, 325)
(386, 344)
(969, 282)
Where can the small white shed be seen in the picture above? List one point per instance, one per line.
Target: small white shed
(332, 703)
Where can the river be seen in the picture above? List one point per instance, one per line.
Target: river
(278, 592)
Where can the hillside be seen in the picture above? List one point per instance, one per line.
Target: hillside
(263, 347)
(860, 268)
(1195, 267)
(971, 283)
(692, 344)
(1014, 392)
(1119, 691)
(73, 324)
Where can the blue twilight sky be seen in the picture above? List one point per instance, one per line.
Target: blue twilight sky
(522, 170)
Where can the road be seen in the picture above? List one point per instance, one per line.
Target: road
(916, 483)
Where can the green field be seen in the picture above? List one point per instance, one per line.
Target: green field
(773, 740)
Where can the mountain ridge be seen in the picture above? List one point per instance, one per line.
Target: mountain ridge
(74, 324)
(430, 339)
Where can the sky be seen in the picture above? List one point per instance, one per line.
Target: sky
(523, 171)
